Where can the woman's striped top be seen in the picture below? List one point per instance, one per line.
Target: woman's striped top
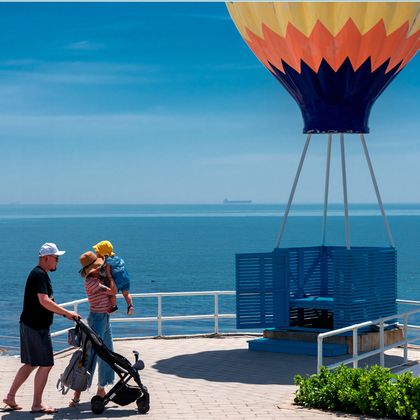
(99, 300)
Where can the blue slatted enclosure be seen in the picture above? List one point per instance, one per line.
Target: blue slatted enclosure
(315, 287)
(365, 283)
(262, 290)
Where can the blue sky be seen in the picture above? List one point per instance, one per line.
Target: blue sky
(164, 103)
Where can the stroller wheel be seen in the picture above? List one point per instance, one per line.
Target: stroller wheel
(97, 404)
(139, 365)
(143, 403)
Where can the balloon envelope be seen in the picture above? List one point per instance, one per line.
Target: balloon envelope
(334, 58)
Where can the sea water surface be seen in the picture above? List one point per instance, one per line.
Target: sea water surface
(180, 248)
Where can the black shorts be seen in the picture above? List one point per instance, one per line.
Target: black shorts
(35, 346)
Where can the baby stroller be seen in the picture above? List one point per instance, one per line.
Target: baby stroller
(121, 393)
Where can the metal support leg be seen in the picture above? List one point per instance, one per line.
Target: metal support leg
(327, 181)
(378, 195)
(292, 192)
(346, 206)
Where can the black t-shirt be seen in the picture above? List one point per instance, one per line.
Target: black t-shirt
(34, 315)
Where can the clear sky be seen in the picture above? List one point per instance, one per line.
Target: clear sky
(165, 103)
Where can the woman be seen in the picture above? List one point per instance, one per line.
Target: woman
(99, 291)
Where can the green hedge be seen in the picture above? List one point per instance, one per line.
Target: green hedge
(372, 391)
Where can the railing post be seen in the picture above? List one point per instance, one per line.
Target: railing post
(159, 316)
(319, 362)
(381, 343)
(216, 313)
(405, 338)
(355, 348)
(75, 308)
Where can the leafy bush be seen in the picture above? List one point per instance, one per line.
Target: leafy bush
(371, 391)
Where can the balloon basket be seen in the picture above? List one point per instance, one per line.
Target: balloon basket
(323, 287)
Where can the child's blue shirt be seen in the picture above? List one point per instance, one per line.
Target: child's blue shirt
(119, 272)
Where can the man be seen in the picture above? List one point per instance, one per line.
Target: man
(36, 350)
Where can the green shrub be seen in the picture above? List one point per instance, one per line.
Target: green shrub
(371, 391)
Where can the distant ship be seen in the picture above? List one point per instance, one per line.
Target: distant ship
(226, 201)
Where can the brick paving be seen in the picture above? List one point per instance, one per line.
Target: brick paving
(192, 378)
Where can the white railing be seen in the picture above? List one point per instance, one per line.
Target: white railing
(159, 318)
(382, 348)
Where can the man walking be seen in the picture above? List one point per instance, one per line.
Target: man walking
(36, 350)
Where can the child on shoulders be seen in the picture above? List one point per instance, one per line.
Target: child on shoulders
(115, 268)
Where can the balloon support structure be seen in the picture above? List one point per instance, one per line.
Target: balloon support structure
(327, 178)
(316, 288)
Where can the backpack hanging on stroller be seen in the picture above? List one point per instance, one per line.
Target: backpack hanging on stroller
(77, 375)
(121, 393)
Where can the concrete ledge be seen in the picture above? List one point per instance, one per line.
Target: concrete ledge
(367, 341)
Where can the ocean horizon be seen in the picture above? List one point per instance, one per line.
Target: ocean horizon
(181, 247)
(41, 210)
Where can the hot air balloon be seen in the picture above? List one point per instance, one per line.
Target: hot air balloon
(334, 59)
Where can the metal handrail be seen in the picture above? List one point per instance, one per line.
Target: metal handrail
(216, 316)
(382, 348)
(408, 302)
(159, 317)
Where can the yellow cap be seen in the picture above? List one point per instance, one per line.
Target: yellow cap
(103, 248)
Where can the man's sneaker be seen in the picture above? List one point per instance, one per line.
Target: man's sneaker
(130, 310)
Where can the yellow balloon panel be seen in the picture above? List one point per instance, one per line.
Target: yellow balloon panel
(315, 31)
(333, 15)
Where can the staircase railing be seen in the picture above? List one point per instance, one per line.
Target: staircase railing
(354, 360)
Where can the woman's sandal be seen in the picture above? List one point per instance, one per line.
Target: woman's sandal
(45, 410)
(9, 406)
(130, 310)
(74, 403)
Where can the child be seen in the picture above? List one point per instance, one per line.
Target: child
(115, 268)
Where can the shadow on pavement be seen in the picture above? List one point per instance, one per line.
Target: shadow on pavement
(250, 367)
(83, 411)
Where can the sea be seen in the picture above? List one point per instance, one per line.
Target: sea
(177, 248)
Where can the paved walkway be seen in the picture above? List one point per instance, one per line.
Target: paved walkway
(192, 378)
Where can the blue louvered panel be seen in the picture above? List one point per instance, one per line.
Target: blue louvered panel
(328, 269)
(281, 291)
(365, 283)
(306, 274)
(327, 285)
(262, 291)
(313, 275)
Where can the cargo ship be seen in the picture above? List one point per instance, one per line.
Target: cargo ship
(226, 201)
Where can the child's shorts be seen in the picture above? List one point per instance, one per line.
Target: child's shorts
(122, 284)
